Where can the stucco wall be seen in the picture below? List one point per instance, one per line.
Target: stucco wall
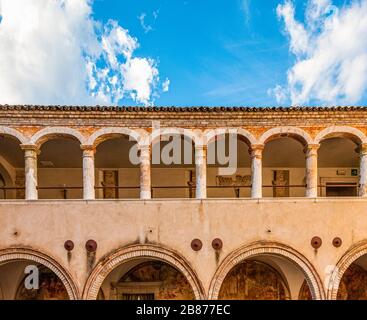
(45, 226)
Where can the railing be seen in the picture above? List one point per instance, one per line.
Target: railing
(237, 189)
(4, 191)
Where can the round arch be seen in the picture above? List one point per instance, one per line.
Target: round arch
(268, 249)
(123, 255)
(192, 135)
(297, 133)
(341, 130)
(209, 135)
(107, 133)
(13, 133)
(343, 264)
(17, 254)
(48, 133)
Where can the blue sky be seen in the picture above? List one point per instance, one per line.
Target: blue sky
(210, 52)
(214, 52)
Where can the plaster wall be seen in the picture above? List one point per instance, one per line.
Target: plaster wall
(45, 226)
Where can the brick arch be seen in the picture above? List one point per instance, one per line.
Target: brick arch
(191, 134)
(13, 133)
(123, 255)
(49, 133)
(343, 264)
(294, 132)
(267, 249)
(22, 254)
(107, 133)
(209, 135)
(348, 132)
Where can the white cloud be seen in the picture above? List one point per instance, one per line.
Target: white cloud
(54, 52)
(143, 24)
(155, 14)
(165, 85)
(139, 75)
(279, 93)
(330, 48)
(246, 11)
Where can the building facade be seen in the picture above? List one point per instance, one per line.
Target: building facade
(254, 203)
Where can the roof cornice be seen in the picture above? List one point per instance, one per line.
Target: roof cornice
(199, 109)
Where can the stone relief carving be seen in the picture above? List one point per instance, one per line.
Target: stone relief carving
(281, 183)
(110, 182)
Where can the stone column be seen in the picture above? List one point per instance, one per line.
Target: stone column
(311, 170)
(30, 161)
(256, 170)
(363, 170)
(89, 192)
(145, 173)
(200, 162)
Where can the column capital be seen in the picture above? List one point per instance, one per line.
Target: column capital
(201, 146)
(311, 149)
(30, 147)
(145, 147)
(256, 150)
(313, 146)
(363, 148)
(87, 147)
(257, 147)
(88, 150)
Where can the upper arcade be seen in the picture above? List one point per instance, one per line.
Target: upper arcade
(64, 152)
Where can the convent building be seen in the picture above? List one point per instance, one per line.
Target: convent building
(223, 203)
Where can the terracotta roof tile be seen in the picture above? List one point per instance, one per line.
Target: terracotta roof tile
(177, 109)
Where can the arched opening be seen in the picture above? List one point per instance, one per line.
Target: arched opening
(305, 292)
(263, 277)
(253, 280)
(145, 279)
(284, 166)
(228, 166)
(173, 166)
(338, 166)
(353, 284)
(265, 271)
(43, 284)
(60, 168)
(117, 176)
(12, 180)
